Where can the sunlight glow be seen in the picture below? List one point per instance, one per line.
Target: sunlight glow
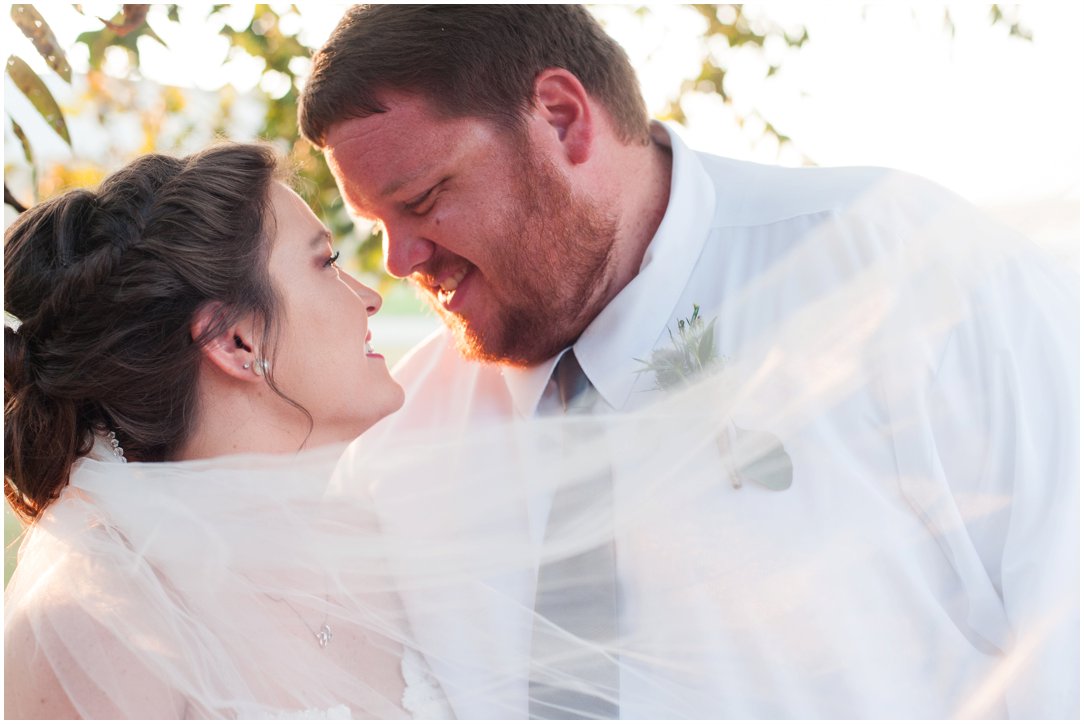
(994, 118)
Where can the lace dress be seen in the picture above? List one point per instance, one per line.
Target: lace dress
(422, 695)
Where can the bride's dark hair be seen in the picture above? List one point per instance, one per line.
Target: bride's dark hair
(105, 285)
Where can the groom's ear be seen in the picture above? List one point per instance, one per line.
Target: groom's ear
(231, 349)
(561, 102)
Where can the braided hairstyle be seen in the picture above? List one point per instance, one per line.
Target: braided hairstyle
(106, 285)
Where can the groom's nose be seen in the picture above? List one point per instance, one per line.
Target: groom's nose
(405, 249)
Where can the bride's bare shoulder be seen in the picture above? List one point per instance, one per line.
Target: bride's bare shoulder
(68, 607)
(32, 689)
(60, 662)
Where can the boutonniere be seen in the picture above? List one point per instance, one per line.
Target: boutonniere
(691, 355)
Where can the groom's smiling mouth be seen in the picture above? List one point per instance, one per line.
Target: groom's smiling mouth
(448, 283)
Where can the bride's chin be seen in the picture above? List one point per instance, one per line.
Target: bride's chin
(388, 404)
(400, 397)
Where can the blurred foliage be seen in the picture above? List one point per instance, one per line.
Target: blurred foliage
(1007, 16)
(729, 28)
(167, 122)
(33, 26)
(123, 31)
(264, 39)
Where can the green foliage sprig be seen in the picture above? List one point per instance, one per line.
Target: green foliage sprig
(692, 353)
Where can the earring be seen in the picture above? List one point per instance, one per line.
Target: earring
(246, 365)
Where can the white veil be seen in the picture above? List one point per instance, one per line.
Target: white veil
(922, 563)
(196, 590)
(925, 549)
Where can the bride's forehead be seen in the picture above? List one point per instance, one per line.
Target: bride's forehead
(290, 210)
(294, 228)
(285, 197)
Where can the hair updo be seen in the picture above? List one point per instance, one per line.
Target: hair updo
(105, 285)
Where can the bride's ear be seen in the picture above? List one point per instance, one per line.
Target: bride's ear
(232, 350)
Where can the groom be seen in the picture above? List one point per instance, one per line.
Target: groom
(930, 421)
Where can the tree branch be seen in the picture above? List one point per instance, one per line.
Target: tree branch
(11, 201)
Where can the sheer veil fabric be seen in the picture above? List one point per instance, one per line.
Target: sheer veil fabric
(196, 590)
(923, 562)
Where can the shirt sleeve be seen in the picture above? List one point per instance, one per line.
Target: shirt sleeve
(997, 434)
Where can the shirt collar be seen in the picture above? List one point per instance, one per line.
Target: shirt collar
(631, 323)
(526, 385)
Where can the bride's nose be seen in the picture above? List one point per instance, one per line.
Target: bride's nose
(373, 301)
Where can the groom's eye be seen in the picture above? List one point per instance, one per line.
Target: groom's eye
(330, 261)
(424, 203)
(416, 205)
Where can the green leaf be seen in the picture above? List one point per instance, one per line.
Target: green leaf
(706, 349)
(98, 40)
(28, 152)
(148, 31)
(1019, 31)
(96, 43)
(41, 35)
(27, 81)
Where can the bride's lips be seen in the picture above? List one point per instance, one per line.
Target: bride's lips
(369, 347)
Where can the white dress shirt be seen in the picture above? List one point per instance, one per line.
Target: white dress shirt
(924, 562)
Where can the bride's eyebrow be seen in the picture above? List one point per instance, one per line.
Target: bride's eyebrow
(320, 239)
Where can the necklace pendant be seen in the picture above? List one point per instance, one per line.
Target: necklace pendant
(323, 636)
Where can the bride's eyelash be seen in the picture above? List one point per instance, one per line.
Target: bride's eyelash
(331, 259)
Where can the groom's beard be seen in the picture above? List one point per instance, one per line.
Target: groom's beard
(545, 277)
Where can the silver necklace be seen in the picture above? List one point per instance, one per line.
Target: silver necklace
(323, 636)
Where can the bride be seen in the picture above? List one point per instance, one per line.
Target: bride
(180, 331)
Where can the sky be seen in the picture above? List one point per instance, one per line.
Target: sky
(994, 118)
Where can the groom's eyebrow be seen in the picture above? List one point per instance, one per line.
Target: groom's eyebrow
(402, 181)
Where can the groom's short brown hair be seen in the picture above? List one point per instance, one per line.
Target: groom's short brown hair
(469, 60)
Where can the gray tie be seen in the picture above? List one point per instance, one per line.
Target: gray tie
(577, 594)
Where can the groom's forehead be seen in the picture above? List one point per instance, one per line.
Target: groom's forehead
(379, 155)
(398, 111)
